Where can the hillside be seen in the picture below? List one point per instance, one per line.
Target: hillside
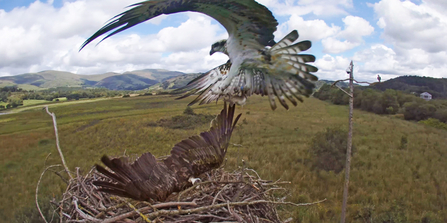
(409, 84)
(159, 75)
(46, 79)
(320, 83)
(174, 82)
(130, 80)
(126, 82)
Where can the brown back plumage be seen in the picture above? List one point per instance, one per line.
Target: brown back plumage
(146, 178)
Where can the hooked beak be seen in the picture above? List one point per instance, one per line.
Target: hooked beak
(212, 52)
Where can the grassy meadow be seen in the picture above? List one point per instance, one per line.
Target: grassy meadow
(398, 174)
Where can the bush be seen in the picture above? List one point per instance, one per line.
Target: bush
(418, 110)
(188, 111)
(441, 114)
(403, 142)
(329, 149)
(434, 123)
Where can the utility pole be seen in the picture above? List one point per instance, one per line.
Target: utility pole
(350, 71)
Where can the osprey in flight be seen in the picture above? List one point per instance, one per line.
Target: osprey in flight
(147, 178)
(256, 65)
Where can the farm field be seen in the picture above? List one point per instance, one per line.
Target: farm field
(390, 182)
(33, 102)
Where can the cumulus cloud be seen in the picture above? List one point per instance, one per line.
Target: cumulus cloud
(332, 67)
(410, 26)
(355, 29)
(323, 8)
(313, 30)
(383, 60)
(41, 36)
(415, 35)
(333, 38)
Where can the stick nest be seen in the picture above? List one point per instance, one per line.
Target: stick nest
(240, 196)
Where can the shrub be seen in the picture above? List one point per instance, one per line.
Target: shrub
(418, 110)
(403, 142)
(329, 149)
(434, 123)
(441, 114)
(188, 111)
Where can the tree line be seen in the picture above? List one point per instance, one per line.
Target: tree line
(12, 96)
(388, 102)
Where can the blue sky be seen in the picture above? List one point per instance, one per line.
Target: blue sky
(384, 37)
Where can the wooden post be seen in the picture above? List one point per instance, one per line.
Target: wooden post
(348, 151)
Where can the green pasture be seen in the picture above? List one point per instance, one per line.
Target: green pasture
(391, 180)
(33, 102)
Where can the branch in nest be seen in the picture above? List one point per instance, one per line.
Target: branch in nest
(206, 182)
(145, 209)
(232, 204)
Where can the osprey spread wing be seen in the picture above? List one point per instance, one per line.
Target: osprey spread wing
(257, 65)
(147, 178)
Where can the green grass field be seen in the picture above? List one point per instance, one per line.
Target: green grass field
(389, 182)
(60, 99)
(34, 102)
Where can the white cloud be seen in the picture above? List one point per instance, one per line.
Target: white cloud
(313, 30)
(332, 67)
(41, 37)
(334, 39)
(355, 29)
(415, 37)
(322, 8)
(410, 26)
(382, 60)
(196, 32)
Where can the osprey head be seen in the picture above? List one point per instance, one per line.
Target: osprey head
(220, 46)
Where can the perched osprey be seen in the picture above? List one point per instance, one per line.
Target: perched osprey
(147, 178)
(256, 65)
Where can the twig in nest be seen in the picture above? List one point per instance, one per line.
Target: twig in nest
(189, 211)
(145, 209)
(203, 183)
(226, 197)
(84, 215)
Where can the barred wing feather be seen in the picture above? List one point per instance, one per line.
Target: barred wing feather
(251, 23)
(288, 76)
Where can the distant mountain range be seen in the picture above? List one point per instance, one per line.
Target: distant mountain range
(161, 80)
(131, 80)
